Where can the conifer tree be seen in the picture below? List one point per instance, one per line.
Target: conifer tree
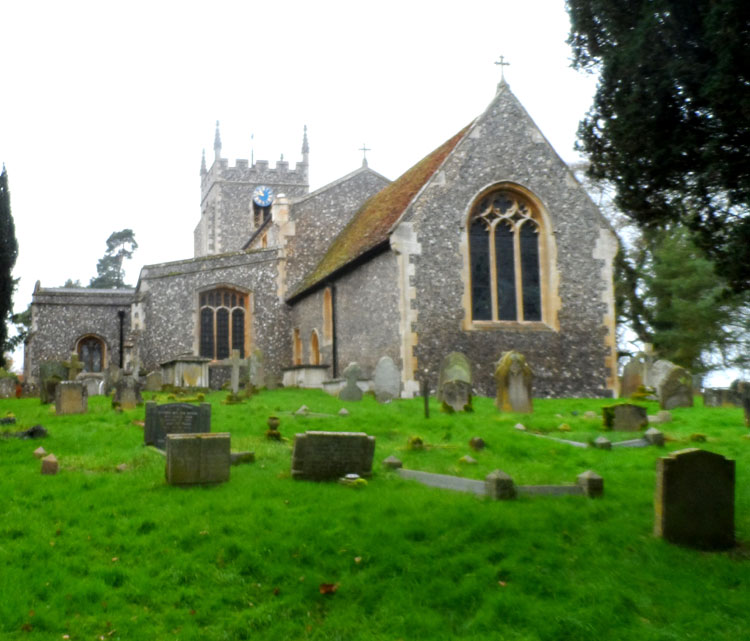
(110, 274)
(8, 255)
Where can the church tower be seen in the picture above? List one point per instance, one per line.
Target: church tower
(236, 200)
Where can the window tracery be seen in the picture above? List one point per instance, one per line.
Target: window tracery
(222, 323)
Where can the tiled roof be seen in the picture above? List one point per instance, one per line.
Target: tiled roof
(372, 224)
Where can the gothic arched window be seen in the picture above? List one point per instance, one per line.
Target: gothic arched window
(222, 322)
(505, 248)
(91, 353)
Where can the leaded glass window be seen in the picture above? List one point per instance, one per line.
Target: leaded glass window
(222, 323)
(505, 257)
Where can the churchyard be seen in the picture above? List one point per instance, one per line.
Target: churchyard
(107, 549)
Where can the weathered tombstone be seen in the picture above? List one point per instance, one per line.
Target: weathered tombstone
(113, 376)
(324, 456)
(454, 382)
(50, 464)
(174, 418)
(673, 385)
(654, 436)
(127, 393)
(351, 391)
(392, 462)
(71, 398)
(602, 443)
(513, 377)
(50, 374)
(625, 417)
(74, 366)
(153, 381)
(694, 501)
(235, 362)
(632, 375)
(7, 387)
(92, 381)
(386, 380)
(198, 458)
(256, 368)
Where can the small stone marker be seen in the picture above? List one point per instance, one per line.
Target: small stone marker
(351, 391)
(40, 452)
(591, 483)
(602, 443)
(513, 378)
(240, 458)
(499, 486)
(386, 380)
(654, 436)
(454, 382)
(50, 464)
(174, 418)
(477, 443)
(468, 460)
(694, 502)
(625, 417)
(343, 412)
(153, 381)
(392, 462)
(71, 398)
(128, 393)
(323, 456)
(198, 458)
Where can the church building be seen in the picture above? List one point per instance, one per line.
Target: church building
(487, 244)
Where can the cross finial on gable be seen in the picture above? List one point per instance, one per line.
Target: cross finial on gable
(502, 64)
(364, 149)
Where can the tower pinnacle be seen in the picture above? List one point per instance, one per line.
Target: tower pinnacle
(217, 142)
(203, 163)
(305, 146)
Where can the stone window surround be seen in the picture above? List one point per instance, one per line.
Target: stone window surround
(547, 263)
(102, 342)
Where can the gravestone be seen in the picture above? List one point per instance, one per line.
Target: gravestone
(93, 382)
(153, 381)
(127, 393)
(73, 366)
(71, 398)
(632, 375)
(454, 382)
(351, 391)
(513, 378)
(113, 376)
(694, 501)
(198, 458)
(234, 380)
(673, 385)
(7, 387)
(625, 417)
(50, 464)
(386, 380)
(50, 374)
(174, 418)
(324, 456)
(256, 369)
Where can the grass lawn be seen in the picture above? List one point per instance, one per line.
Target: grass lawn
(96, 554)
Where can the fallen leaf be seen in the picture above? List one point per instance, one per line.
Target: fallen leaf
(115, 559)
(328, 588)
(357, 559)
(502, 583)
(139, 423)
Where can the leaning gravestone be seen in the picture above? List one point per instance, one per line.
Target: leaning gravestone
(351, 391)
(198, 458)
(673, 385)
(71, 398)
(513, 377)
(174, 418)
(694, 502)
(325, 456)
(625, 417)
(153, 381)
(127, 393)
(454, 382)
(632, 375)
(386, 380)
(50, 374)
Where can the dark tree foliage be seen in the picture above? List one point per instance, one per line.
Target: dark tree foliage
(110, 274)
(8, 255)
(670, 123)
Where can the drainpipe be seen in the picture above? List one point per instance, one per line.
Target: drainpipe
(121, 316)
(334, 350)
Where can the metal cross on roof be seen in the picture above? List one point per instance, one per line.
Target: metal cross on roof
(502, 64)
(364, 149)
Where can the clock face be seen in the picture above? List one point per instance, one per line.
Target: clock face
(263, 196)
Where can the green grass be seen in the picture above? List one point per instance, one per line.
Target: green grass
(92, 553)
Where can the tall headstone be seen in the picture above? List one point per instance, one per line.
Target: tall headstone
(694, 501)
(174, 418)
(198, 458)
(351, 391)
(673, 385)
(454, 382)
(113, 376)
(514, 379)
(632, 375)
(71, 398)
(74, 366)
(325, 456)
(153, 381)
(127, 393)
(256, 369)
(386, 380)
(235, 361)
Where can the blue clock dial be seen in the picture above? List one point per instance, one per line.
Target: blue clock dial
(263, 196)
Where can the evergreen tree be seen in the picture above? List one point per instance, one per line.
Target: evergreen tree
(670, 123)
(8, 255)
(110, 274)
